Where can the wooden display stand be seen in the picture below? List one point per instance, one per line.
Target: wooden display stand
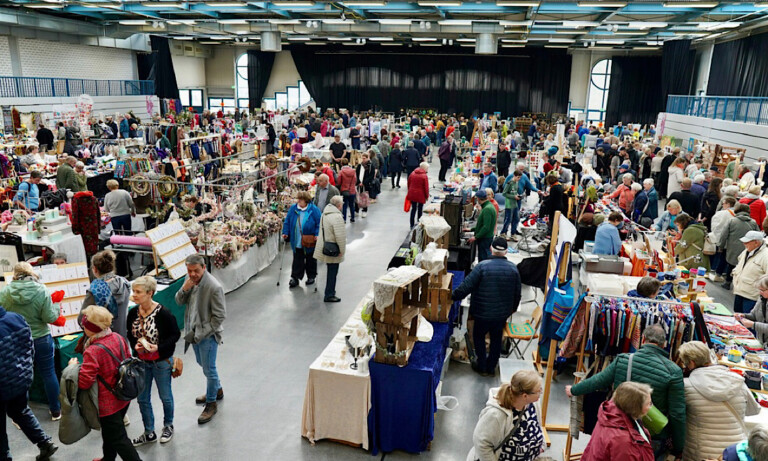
(171, 244)
(396, 325)
(439, 299)
(443, 242)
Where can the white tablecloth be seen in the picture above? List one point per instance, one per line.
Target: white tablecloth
(338, 398)
(70, 244)
(253, 261)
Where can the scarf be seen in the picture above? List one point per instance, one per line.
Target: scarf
(98, 335)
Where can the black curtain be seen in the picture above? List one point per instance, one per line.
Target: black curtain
(677, 62)
(259, 69)
(373, 76)
(740, 67)
(635, 90)
(145, 61)
(162, 69)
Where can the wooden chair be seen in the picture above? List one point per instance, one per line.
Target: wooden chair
(527, 331)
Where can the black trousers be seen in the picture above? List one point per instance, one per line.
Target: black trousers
(416, 209)
(445, 165)
(395, 175)
(495, 329)
(303, 262)
(115, 440)
(18, 411)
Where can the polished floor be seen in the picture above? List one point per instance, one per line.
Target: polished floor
(271, 336)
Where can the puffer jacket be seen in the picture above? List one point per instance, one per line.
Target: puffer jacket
(760, 317)
(617, 437)
(347, 180)
(16, 356)
(712, 425)
(331, 230)
(652, 366)
(756, 208)
(691, 245)
(745, 275)
(495, 288)
(79, 407)
(418, 186)
(31, 300)
(732, 232)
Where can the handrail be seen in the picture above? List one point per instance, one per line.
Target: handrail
(42, 87)
(743, 109)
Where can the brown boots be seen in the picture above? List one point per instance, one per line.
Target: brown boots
(201, 400)
(208, 412)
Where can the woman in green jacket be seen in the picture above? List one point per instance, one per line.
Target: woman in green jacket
(162, 140)
(690, 248)
(511, 212)
(26, 296)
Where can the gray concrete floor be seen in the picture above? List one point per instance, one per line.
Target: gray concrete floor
(271, 336)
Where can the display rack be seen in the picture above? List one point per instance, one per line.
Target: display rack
(171, 244)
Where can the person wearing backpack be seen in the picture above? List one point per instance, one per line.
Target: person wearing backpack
(109, 290)
(100, 362)
(153, 333)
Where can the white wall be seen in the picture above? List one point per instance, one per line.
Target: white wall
(703, 66)
(5, 57)
(102, 105)
(190, 72)
(284, 74)
(733, 134)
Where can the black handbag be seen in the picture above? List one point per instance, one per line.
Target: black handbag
(329, 248)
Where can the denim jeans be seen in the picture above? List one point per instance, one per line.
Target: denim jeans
(205, 354)
(44, 365)
(17, 410)
(160, 372)
(742, 305)
(122, 222)
(511, 220)
(330, 279)
(349, 202)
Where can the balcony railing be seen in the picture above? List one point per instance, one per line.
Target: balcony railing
(39, 87)
(730, 108)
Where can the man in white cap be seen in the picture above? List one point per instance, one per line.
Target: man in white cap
(753, 263)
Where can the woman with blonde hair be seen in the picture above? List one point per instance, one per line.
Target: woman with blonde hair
(716, 402)
(26, 296)
(667, 219)
(509, 424)
(619, 435)
(676, 176)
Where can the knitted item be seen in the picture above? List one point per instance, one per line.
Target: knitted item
(86, 220)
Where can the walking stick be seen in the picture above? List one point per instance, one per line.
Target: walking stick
(282, 253)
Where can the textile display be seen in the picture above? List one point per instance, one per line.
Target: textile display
(385, 287)
(435, 226)
(635, 95)
(373, 76)
(747, 58)
(433, 259)
(259, 69)
(254, 260)
(86, 221)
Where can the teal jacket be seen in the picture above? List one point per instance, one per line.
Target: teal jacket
(652, 366)
(32, 301)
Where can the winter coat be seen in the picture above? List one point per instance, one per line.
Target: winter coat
(332, 230)
(756, 209)
(79, 407)
(737, 452)
(125, 128)
(616, 437)
(113, 292)
(709, 207)
(411, 158)
(760, 317)
(16, 357)
(735, 229)
(626, 195)
(369, 177)
(347, 180)
(691, 244)
(31, 300)
(646, 205)
(676, 176)
(493, 426)
(711, 425)
(485, 227)
(309, 226)
(698, 190)
(719, 221)
(490, 180)
(395, 161)
(495, 288)
(65, 177)
(607, 240)
(418, 186)
(650, 365)
(444, 153)
(97, 362)
(745, 275)
(689, 202)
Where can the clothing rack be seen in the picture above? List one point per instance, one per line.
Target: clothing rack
(201, 138)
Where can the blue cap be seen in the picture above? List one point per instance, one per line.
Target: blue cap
(625, 166)
(481, 194)
(553, 150)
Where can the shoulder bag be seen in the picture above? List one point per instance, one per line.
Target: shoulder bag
(307, 241)
(655, 421)
(509, 436)
(329, 248)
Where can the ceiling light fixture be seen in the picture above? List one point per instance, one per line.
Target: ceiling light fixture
(602, 4)
(338, 21)
(226, 4)
(133, 22)
(429, 44)
(391, 44)
(465, 40)
(162, 5)
(689, 5)
(178, 22)
(424, 39)
(42, 5)
(339, 39)
(315, 43)
(645, 25)
(455, 22)
(560, 40)
(293, 3)
(509, 40)
(609, 42)
(718, 25)
(442, 3)
(513, 46)
(233, 21)
(516, 23)
(395, 22)
(512, 3)
(284, 21)
(298, 39)
(365, 3)
(381, 39)
(183, 37)
(578, 24)
(647, 48)
(210, 43)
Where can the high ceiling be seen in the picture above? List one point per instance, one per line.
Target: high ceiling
(643, 24)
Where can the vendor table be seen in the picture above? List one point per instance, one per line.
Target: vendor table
(338, 398)
(70, 244)
(250, 263)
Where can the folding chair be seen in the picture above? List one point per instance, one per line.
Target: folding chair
(527, 331)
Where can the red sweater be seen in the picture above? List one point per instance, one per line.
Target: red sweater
(418, 186)
(756, 210)
(96, 361)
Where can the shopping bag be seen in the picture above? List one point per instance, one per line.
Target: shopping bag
(362, 199)
(407, 206)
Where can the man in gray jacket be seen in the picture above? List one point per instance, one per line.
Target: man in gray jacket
(324, 192)
(206, 311)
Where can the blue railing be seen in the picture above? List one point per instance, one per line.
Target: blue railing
(40, 87)
(730, 108)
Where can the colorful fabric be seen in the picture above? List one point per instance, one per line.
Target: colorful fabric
(86, 220)
(102, 295)
(528, 441)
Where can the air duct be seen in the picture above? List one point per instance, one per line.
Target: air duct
(486, 44)
(270, 41)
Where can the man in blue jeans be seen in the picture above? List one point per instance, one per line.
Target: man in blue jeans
(203, 319)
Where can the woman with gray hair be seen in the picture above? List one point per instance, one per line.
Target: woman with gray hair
(716, 403)
(755, 448)
(757, 319)
(80, 177)
(331, 231)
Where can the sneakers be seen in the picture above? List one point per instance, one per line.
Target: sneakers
(47, 449)
(201, 400)
(515, 237)
(331, 299)
(55, 415)
(719, 278)
(363, 214)
(310, 282)
(208, 412)
(144, 439)
(293, 283)
(126, 421)
(167, 434)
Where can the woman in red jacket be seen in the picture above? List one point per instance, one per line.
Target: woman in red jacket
(418, 191)
(348, 188)
(619, 435)
(757, 208)
(98, 363)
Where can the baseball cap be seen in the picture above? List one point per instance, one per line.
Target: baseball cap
(481, 194)
(625, 166)
(499, 244)
(752, 236)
